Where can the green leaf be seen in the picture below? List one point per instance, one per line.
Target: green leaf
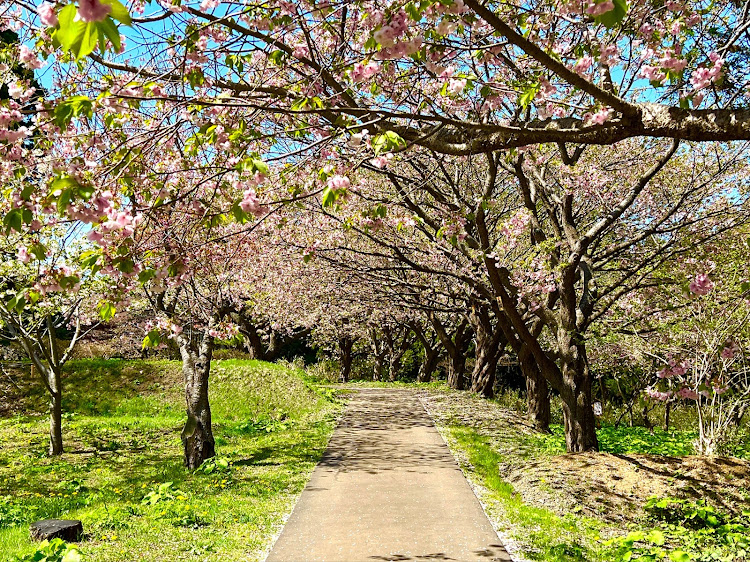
(151, 340)
(387, 142)
(614, 16)
(277, 57)
(125, 265)
(38, 251)
(13, 221)
(27, 191)
(90, 258)
(679, 556)
(72, 555)
(528, 95)
(108, 29)
(69, 28)
(329, 197)
(78, 37)
(107, 311)
(63, 183)
(655, 537)
(74, 106)
(413, 10)
(260, 166)
(64, 200)
(146, 275)
(119, 12)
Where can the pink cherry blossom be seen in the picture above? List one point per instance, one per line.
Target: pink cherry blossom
(651, 73)
(252, 205)
(595, 9)
(658, 395)
(361, 72)
(687, 393)
(47, 14)
(93, 10)
(583, 64)
(29, 58)
(456, 86)
(598, 118)
(23, 254)
(339, 182)
(701, 285)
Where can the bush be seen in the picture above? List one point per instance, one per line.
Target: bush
(325, 371)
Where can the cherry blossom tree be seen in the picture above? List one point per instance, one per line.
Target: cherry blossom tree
(44, 291)
(321, 89)
(699, 343)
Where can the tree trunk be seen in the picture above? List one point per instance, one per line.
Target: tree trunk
(456, 348)
(254, 344)
(578, 410)
(197, 436)
(345, 350)
(396, 349)
(55, 417)
(488, 344)
(377, 374)
(274, 346)
(429, 364)
(378, 352)
(252, 339)
(537, 392)
(456, 370)
(394, 366)
(483, 376)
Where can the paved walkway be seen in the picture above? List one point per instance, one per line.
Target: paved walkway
(387, 488)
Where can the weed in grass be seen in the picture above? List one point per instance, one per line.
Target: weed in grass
(55, 550)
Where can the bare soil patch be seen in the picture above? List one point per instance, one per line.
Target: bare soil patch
(615, 487)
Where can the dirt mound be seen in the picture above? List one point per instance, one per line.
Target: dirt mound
(615, 487)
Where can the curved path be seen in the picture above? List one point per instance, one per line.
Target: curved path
(387, 488)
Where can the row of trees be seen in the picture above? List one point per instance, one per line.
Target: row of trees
(464, 171)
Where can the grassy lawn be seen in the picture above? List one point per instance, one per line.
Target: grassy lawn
(122, 472)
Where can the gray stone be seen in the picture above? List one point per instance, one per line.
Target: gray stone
(66, 529)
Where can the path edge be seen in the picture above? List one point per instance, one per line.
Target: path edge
(266, 552)
(511, 546)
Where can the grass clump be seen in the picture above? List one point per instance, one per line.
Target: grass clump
(123, 475)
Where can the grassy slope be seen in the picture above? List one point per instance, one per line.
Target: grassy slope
(123, 442)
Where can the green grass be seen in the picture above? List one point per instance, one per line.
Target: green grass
(542, 534)
(623, 440)
(122, 442)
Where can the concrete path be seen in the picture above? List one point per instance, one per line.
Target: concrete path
(387, 488)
